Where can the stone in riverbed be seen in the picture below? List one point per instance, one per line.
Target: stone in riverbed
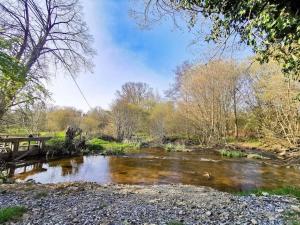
(295, 208)
(265, 193)
(279, 210)
(181, 212)
(208, 213)
(253, 221)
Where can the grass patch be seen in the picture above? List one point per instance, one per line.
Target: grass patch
(53, 134)
(292, 218)
(175, 222)
(284, 191)
(111, 148)
(11, 213)
(56, 143)
(174, 147)
(232, 153)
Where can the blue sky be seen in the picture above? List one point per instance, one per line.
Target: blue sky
(125, 52)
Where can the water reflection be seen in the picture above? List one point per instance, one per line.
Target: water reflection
(68, 166)
(155, 166)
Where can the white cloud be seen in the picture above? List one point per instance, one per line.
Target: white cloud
(114, 65)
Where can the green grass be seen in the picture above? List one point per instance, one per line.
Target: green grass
(292, 218)
(111, 148)
(56, 143)
(15, 132)
(11, 213)
(285, 191)
(96, 145)
(232, 153)
(174, 147)
(53, 134)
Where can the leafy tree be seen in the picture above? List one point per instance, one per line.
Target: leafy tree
(276, 108)
(58, 119)
(270, 27)
(162, 120)
(130, 109)
(12, 77)
(95, 120)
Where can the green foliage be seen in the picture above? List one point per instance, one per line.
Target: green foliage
(232, 154)
(111, 148)
(12, 77)
(11, 213)
(174, 147)
(96, 144)
(56, 143)
(284, 191)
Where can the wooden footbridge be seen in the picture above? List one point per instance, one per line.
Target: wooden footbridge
(19, 147)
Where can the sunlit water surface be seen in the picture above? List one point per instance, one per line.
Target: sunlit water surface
(155, 166)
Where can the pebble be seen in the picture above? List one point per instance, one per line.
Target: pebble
(208, 213)
(89, 203)
(295, 208)
(253, 221)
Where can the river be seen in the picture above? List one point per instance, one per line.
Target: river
(156, 166)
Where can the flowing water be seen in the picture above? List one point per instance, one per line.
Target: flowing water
(155, 166)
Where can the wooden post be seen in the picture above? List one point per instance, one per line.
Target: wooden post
(42, 145)
(28, 148)
(15, 148)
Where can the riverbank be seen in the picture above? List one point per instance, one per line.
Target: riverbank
(89, 203)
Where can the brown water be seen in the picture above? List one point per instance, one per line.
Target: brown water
(155, 166)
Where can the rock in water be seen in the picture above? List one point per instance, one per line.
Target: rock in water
(207, 175)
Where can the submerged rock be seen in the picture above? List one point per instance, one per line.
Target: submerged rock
(207, 175)
(256, 156)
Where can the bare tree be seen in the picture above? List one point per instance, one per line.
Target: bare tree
(135, 93)
(130, 108)
(45, 34)
(208, 100)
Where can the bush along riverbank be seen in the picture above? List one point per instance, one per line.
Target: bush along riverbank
(97, 145)
(89, 203)
(94, 146)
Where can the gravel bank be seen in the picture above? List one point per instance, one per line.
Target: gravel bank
(88, 203)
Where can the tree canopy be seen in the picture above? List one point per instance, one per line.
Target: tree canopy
(270, 27)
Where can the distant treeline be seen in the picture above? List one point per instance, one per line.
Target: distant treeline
(207, 104)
